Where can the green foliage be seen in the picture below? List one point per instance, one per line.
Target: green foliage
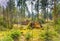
(1, 20)
(19, 3)
(49, 35)
(7, 38)
(58, 9)
(42, 35)
(11, 5)
(58, 21)
(41, 21)
(57, 25)
(43, 6)
(28, 36)
(45, 36)
(15, 34)
(3, 25)
(44, 3)
(57, 28)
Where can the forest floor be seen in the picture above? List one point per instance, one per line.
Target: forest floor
(34, 32)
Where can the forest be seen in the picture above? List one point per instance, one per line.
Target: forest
(29, 20)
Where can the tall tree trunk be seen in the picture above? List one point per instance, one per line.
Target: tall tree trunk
(55, 12)
(37, 10)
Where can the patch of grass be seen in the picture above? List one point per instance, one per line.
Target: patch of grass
(7, 38)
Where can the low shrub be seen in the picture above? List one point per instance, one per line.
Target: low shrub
(15, 35)
(7, 38)
(28, 36)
